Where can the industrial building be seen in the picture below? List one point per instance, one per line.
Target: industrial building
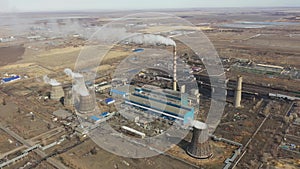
(259, 68)
(10, 79)
(163, 104)
(118, 93)
(109, 101)
(103, 87)
(100, 118)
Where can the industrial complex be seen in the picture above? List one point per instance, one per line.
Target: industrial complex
(152, 101)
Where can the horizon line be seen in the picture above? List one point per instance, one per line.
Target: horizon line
(153, 9)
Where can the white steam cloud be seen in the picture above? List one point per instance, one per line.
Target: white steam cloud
(70, 73)
(151, 40)
(115, 34)
(79, 85)
(52, 82)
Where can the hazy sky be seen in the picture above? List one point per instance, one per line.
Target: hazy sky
(56, 5)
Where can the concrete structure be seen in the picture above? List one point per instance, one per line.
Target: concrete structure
(68, 98)
(198, 98)
(63, 114)
(86, 104)
(297, 121)
(199, 146)
(238, 92)
(182, 89)
(174, 69)
(57, 92)
(132, 131)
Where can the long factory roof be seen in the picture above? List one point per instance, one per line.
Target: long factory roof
(160, 105)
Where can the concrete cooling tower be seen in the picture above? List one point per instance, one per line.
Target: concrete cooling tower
(57, 92)
(86, 104)
(199, 147)
(68, 98)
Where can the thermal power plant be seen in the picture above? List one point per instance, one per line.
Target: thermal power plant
(238, 92)
(57, 92)
(68, 98)
(174, 69)
(86, 104)
(199, 147)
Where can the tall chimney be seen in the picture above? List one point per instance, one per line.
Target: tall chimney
(199, 147)
(238, 92)
(174, 69)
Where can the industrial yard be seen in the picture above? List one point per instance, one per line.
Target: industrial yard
(52, 115)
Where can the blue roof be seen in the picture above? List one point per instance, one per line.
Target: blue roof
(94, 118)
(138, 50)
(104, 114)
(10, 79)
(118, 92)
(109, 100)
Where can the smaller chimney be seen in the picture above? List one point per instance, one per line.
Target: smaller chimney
(182, 89)
(238, 92)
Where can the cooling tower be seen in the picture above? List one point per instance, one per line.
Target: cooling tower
(68, 98)
(199, 146)
(238, 92)
(56, 92)
(86, 104)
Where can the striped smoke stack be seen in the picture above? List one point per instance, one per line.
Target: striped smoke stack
(238, 92)
(199, 147)
(174, 68)
(57, 92)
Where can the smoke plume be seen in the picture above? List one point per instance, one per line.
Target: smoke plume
(52, 82)
(151, 40)
(79, 83)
